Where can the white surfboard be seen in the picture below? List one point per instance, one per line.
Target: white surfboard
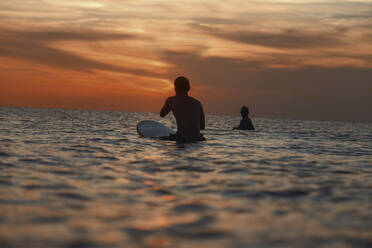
(153, 129)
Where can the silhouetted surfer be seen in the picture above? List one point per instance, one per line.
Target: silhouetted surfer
(188, 113)
(246, 122)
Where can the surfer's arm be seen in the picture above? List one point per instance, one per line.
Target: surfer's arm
(166, 109)
(241, 125)
(202, 119)
(250, 124)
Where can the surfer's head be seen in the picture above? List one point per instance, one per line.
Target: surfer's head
(244, 111)
(181, 84)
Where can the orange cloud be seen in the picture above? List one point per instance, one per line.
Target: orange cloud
(124, 55)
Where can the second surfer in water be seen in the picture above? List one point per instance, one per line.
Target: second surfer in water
(246, 122)
(188, 113)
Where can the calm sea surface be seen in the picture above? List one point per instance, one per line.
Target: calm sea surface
(81, 179)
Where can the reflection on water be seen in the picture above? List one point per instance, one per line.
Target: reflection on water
(85, 179)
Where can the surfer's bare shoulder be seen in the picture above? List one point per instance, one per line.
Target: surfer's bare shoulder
(195, 100)
(171, 98)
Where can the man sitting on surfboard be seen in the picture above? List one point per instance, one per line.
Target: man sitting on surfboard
(188, 113)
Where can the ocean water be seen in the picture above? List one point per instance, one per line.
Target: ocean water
(80, 179)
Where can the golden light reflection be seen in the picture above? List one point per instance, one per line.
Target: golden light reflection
(151, 224)
(168, 198)
(157, 242)
(87, 4)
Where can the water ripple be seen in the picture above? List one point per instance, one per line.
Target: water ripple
(72, 178)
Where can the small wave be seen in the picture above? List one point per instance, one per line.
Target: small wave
(193, 169)
(36, 161)
(3, 154)
(49, 219)
(111, 158)
(35, 186)
(234, 170)
(191, 207)
(293, 193)
(342, 172)
(108, 178)
(6, 165)
(137, 233)
(198, 233)
(63, 172)
(82, 244)
(4, 182)
(30, 160)
(73, 196)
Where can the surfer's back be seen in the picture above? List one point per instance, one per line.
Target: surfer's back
(189, 115)
(246, 124)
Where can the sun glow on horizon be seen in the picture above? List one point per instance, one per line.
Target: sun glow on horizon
(69, 3)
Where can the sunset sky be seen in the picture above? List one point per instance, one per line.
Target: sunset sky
(298, 59)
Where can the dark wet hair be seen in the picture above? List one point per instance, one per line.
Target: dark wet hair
(244, 111)
(181, 84)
